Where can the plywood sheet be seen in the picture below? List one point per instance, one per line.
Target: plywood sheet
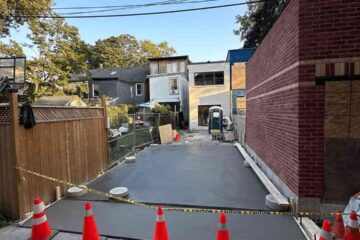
(166, 134)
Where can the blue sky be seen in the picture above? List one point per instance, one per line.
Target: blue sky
(203, 35)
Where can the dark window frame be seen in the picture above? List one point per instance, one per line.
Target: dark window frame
(204, 76)
(136, 89)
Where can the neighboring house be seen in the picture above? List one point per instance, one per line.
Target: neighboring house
(122, 85)
(238, 59)
(72, 101)
(169, 83)
(209, 85)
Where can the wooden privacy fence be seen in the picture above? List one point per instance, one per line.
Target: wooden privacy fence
(67, 143)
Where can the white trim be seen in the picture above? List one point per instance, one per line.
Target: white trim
(285, 88)
(353, 224)
(291, 67)
(88, 213)
(38, 221)
(38, 208)
(136, 90)
(160, 218)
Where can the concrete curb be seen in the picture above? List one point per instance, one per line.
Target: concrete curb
(278, 197)
(309, 228)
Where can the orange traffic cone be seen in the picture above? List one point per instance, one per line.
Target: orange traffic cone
(223, 232)
(90, 231)
(160, 226)
(177, 137)
(352, 228)
(339, 229)
(326, 231)
(40, 229)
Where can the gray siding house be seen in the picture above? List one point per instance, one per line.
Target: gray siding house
(122, 85)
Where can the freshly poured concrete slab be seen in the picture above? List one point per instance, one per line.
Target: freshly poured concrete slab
(209, 175)
(133, 222)
(15, 233)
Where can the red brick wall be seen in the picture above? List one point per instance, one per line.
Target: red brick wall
(329, 29)
(272, 118)
(285, 109)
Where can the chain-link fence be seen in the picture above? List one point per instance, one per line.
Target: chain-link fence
(129, 132)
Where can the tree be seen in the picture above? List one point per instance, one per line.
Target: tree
(11, 49)
(126, 51)
(13, 12)
(150, 49)
(60, 53)
(258, 20)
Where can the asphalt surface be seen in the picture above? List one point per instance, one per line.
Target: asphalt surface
(208, 175)
(132, 222)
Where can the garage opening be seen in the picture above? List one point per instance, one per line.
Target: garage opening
(342, 140)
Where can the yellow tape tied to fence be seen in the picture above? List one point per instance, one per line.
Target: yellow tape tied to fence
(181, 209)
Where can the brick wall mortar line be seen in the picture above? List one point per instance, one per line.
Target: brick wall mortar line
(288, 87)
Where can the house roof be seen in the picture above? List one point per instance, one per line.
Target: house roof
(169, 58)
(58, 100)
(129, 75)
(239, 55)
(208, 62)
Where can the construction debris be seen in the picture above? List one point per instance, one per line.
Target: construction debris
(166, 134)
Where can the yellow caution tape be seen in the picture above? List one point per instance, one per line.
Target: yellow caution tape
(182, 209)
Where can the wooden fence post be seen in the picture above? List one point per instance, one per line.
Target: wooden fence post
(15, 141)
(107, 161)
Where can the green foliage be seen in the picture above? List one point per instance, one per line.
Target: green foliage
(125, 51)
(113, 111)
(15, 10)
(258, 20)
(60, 54)
(158, 108)
(11, 49)
(133, 109)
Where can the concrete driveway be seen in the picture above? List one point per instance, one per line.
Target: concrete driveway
(185, 175)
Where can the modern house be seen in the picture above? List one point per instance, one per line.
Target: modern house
(168, 82)
(237, 58)
(209, 85)
(122, 85)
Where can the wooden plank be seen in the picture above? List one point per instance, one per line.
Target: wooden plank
(70, 150)
(166, 134)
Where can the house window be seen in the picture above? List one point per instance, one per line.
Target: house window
(154, 68)
(139, 89)
(209, 78)
(174, 89)
(95, 89)
(162, 67)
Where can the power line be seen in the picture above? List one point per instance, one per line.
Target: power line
(140, 14)
(124, 7)
(169, 2)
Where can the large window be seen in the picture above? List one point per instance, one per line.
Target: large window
(174, 89)
(139, 89)
(209, 78)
